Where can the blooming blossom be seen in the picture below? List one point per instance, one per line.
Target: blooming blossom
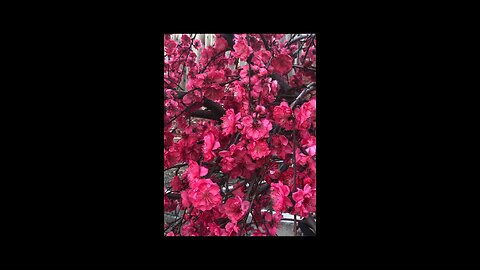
(282, 115)
(195, 171)
(210, 144)
(305, 200)
(279, 195)
(282, 63)
(204, 194)
(231, 229)
(236, 208)
(258, 149)
(241, 49)
(256, 129)
(229, 122)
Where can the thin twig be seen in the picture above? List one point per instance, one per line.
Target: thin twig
(307, 68)
(308, 48)
(303, 93)
(296, 39)
(177, 166)
(294, 176)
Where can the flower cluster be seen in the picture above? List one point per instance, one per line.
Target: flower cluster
(239, 140)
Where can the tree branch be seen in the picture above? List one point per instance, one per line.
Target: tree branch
(302, 95)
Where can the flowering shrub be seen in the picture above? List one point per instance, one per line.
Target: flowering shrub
(243, 129)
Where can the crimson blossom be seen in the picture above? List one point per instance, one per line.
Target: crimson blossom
(239, 133)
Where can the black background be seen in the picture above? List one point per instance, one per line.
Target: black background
(100, 138)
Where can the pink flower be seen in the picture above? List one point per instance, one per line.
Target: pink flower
(256, 129)
(279, 196)
(280, 146)
(229, 122)
(210, 144)
(282, 115)
(258, 149)
(242, 50)
(170, 234)
(205, 194)
(305, 115)
(231, 229)
(214, 229)
(206, 54)
(282, 63)
(177, 184)
(272, 222)
(306, 201)
(170, 46)
(192, 97)
(261, 57)
(235, 208)
(221, 45)
(287, 178)
(194, 171)
(189, 230)
(185, 200)
(216, 76)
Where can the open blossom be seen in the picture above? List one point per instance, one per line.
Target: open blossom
(177, 184)
(195, 171)
(258, 149)
(282, 63)
(280, 146)
(279, 195)
(210, 144)
(238, 152)
(256, 129)
(306, 200)
(170, 46)
(261, 57)
(272, 222)
(236, 208)
(241, 49)
(229, 122)
(305, 114)
(282, 115)
(231, 229)
(205, 194)
(221, 44)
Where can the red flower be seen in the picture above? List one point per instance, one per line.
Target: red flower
(221, 45)
(256, 129)
(272, 222)
(177, 184)
(306, 201)
(242, 50)
(282, 63)
(229, 121)
(305, 115)
(204, 194)
(170, 46)
(261, 57)
(194, 171)
(279, 195)
(236, 208)
(258, 149)
(282, 116)
(170, 234)
(231, 229)
(280, 146)
(210, 144)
